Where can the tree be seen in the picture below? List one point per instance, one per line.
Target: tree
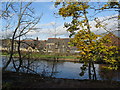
(85, 40)
(25, 21)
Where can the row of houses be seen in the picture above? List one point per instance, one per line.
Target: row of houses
(56, 45)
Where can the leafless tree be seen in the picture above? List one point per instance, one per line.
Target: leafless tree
(24, 20)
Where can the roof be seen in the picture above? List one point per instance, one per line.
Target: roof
(52, 38)
(115, 40)
(60, 38)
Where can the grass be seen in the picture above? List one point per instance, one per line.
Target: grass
(51, 56)
(38, 55)
(4, 54)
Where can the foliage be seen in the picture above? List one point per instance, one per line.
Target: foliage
(111, 4)
(95, 49)
(90, 45)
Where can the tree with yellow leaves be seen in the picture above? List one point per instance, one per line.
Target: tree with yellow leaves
(87, 42)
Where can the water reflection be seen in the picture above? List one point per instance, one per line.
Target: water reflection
(106, 74)
(68, 70)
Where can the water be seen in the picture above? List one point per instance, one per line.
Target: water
(69, 70)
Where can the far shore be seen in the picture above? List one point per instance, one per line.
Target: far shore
(57, 59)
(50, 59)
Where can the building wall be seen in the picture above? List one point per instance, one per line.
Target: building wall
(57, 45)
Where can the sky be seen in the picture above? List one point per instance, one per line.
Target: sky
(51, 24)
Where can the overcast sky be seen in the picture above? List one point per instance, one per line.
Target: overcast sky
(50, 24)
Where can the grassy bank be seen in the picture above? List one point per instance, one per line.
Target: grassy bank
(38, 55)
(58, 57)
(22, 80)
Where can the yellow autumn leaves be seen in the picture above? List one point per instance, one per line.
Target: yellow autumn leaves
(90, 47)
(71, 9)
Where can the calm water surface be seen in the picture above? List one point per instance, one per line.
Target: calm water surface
(69, 70)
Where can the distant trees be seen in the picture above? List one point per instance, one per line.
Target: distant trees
(23, 19)
(90, 45)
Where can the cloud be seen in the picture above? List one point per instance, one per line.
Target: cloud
(50, 32)
(110, 24)
(47, 30)
(52, 28)
(6, 34)
(46, 24)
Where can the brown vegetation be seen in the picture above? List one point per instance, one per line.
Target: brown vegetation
(22, 80)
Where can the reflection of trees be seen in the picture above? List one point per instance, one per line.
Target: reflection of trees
(107, 74)
(53, 66)
(43, 68)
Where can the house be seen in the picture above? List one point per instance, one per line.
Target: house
(6, 45)
(52, 45)
(58, 45)
(30, 45)
(42, 46)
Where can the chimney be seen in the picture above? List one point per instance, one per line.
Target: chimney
(37, 38)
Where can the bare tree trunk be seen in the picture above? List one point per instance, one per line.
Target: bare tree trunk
(21, 13)
(28, 61)
(53, 68)
(14, 64)
(11, 52)
(12, 43)
(19, 53)
(94, 71)
(89, 70)
(88, 27)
